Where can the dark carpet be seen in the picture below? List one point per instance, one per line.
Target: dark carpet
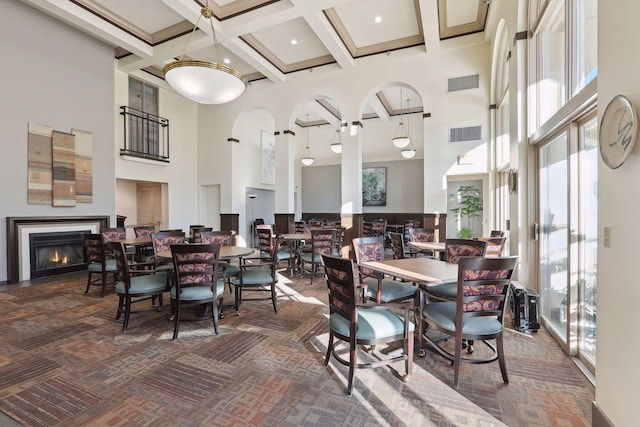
(65, 362)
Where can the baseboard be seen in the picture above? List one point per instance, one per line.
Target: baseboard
(598, 418)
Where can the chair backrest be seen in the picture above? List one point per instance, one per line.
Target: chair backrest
(411, 223)
(367, 228)
(163, 240)
(495, 245)
(456, 248)
(194, 227)
(379, 226)
(119, 253)
(118, 233)
(224, 238)
(483, 284)
(144, 230)
(95, 248)
(496, 233)
(299, 226)
(339, 238)
(368, 249)
(196, 234)
(265, 237)
(397, 245)
(195, 265)
(421, 234)
(341, 286)
(322, 241)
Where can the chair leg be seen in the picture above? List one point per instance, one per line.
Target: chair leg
(501, 361)
(457, 360)
(214, 309)
(408, 350)
(353, 361)
(329, 349)
(237, 302)
(127, 311)
(176, 319)
(104, 282)
(119, 312)
(86, 291)
(273, 297)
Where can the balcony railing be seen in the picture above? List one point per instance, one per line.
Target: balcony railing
(145, 135)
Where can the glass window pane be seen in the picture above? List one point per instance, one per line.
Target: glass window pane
(589, 233)
(586, 42)
(554, 241)
(552, 57)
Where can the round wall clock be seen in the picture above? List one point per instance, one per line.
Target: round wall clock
(618, 131)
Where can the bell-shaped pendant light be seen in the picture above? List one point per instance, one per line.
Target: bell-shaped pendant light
(307, 160)
(336, 144)
(409, 151)
(402, 138)
(204, 82)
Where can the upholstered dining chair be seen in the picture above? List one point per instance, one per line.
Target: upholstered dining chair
(397, 245)
(196, 234)
(99, 264)
(476, 314)
(420, 235)
(199, 281)
(224, 238)
(495, 245)
(135, 286)
(379, 288)
(258, 276)
(322, 243)
(364, 324)
(118, 233)
(496, 233)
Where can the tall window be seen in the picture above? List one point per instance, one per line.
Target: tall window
(564, 128)
(143, 104)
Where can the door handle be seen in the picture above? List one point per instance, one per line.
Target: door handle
(536, 231)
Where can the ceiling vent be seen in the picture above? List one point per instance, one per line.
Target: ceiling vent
(463, 83)
(471, 133)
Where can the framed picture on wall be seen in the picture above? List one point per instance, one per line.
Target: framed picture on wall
(374, 186)
(268, 158)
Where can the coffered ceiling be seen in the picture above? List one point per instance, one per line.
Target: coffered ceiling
(272, 41)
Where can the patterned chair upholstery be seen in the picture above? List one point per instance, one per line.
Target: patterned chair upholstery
(478, 314)
(135, 286)
(199, 281)
(223, 238)
(162, 242)
(495, 245)
(397, 245)
(364, 324)
(196, 234)
(118, 233)
(379, 288)
(420, 235)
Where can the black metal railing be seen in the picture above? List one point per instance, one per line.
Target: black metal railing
(145, 135)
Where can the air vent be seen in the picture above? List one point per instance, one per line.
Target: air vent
(472, 133)
(463, 83)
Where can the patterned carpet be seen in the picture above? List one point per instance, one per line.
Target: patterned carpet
(65, 362)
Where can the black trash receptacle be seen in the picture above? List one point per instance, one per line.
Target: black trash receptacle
(120, 220)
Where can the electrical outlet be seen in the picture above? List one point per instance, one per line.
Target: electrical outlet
(606, 237)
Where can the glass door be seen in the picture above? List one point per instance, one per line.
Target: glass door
(553, 232)
(567, 230)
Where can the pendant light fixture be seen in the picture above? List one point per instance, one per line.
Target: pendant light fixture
(408, 152)
(307, 160)
(336, 145)
(204, 82)
(402, 138)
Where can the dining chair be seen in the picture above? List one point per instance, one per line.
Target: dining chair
(476, 314)
(367, 229)
(496, 233)
(322, 243)
(195, 227)
(144, 252)
(99, 264)
(135, 286)
(118, 233)
(364, 324)
(162, 242)
(379, 288)
(196, 234)
(495, 245)
(223, 238)
(258, 276)
(421, 235)
(199, 281)
(397, 245)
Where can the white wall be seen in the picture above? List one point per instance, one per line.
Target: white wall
(618, 373)
(62, 78)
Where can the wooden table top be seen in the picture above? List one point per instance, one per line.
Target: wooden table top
(422, 270)
(226, 252)
(296, 236)
(428, 246)
(135, 241)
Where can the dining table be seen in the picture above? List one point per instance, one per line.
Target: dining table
(435, 247)
(296, 240)
(226, 252)
(425, 271)
(139, 243)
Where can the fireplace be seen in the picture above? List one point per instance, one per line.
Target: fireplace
(19, 242)
(56, 253)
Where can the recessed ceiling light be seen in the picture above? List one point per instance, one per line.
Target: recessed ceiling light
(377, 19)
(226, 61)
(294, 42)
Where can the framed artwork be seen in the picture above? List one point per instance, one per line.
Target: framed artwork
(374, 187)
(268, 158)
